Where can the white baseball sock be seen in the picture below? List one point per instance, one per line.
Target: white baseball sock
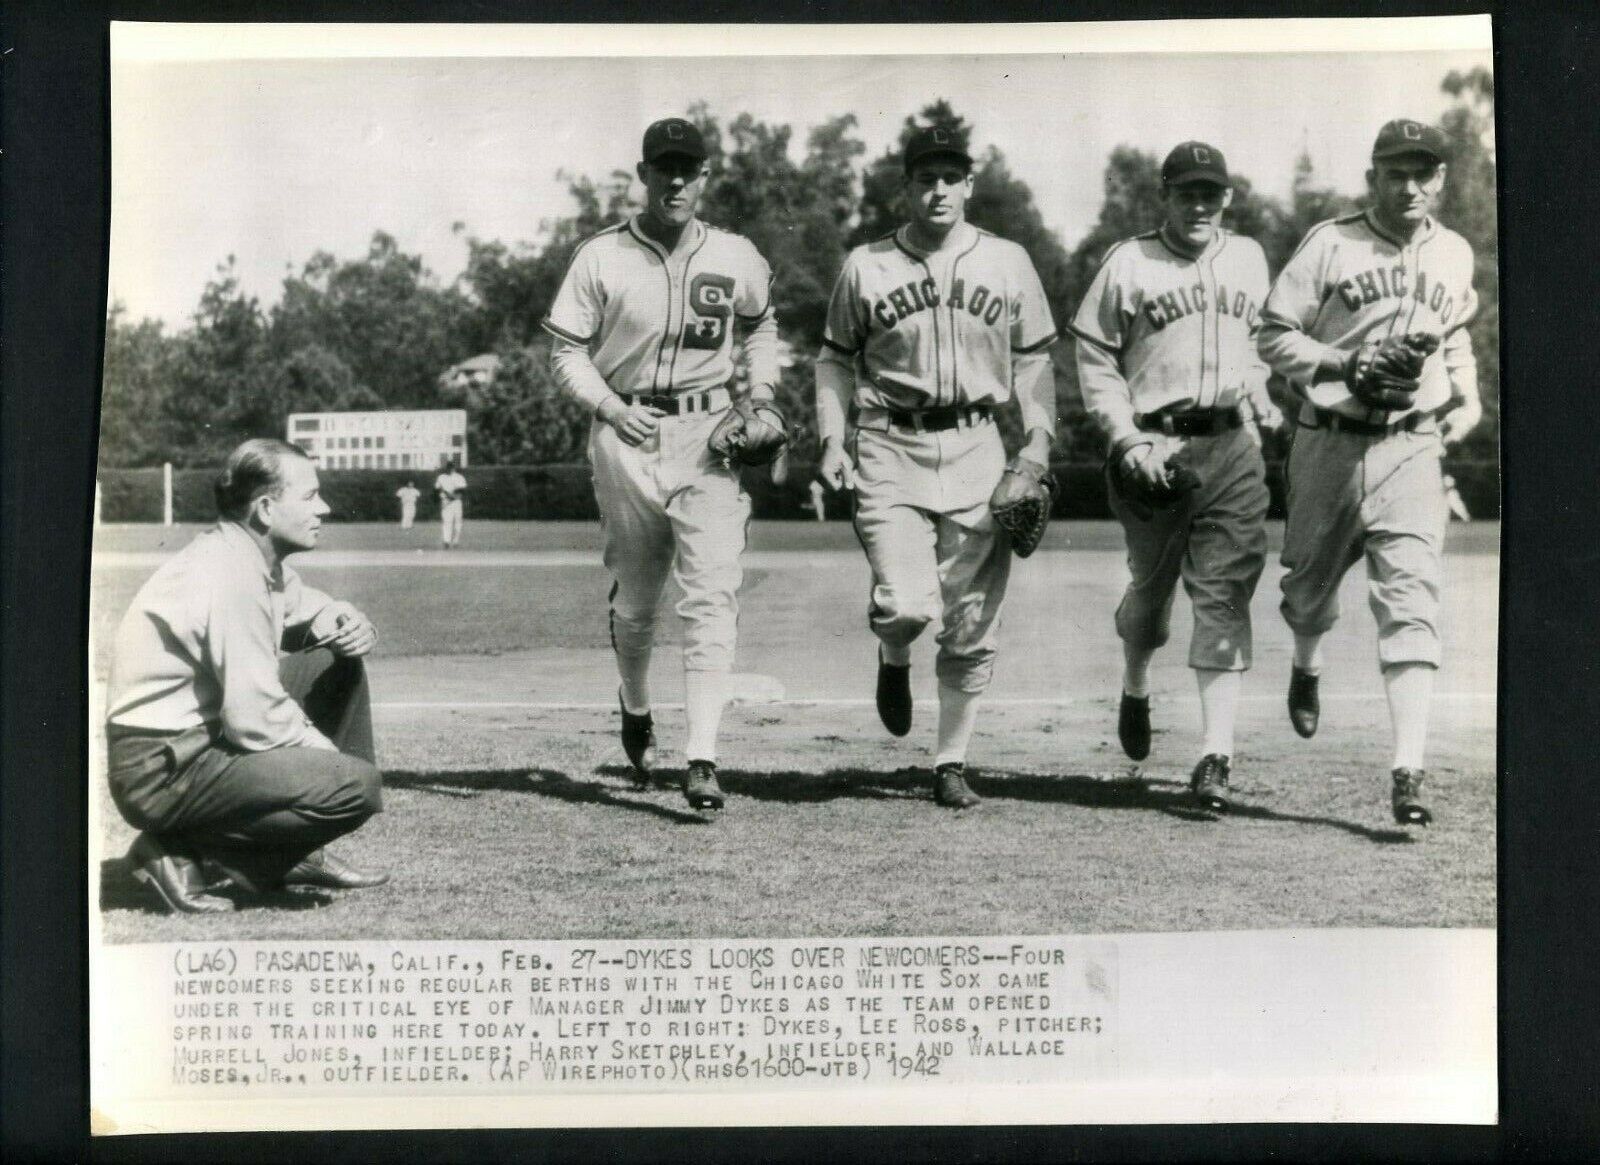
(635, 673)
(704, 694)
(1308, 653)
(958, 715)
(1410, 689)
(899, 655)
(1136, 669)
(1219, 700)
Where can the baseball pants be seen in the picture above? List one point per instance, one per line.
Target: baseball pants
(1380, 497)
(1215, 540)
(259, 812)
(450, 517)
(923, 518)
(668, 506)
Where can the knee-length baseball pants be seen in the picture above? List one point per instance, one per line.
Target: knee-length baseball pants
(669, 506)
(923, 518)
(1380, 497)
(1215, 540)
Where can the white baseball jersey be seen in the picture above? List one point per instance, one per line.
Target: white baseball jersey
(450, 484)
(925, 330)
(1350, 282)
(1159, 328)
(660, 322)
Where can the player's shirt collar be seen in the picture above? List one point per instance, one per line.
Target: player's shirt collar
(963, 237)
(1424, 232)
(1206, 252)
(694, 234)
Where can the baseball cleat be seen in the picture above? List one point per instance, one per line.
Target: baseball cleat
(1406, 798)
(1304, 706)
(176, 882)
(638, 742)
(950, 787)
(1208, 784)
(700, 787)
(1133, 725)
(894, 696)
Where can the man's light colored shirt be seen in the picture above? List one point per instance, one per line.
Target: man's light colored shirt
(200, 646)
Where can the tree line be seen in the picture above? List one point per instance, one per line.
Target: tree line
(376, 332)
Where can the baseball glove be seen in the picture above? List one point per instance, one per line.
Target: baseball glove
(1143, 498)
(1021, 503)
(750, 433)
(1385, 374)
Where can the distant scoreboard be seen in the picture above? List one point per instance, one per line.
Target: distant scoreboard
(424, 439)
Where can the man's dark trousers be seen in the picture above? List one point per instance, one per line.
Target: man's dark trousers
(257, 813)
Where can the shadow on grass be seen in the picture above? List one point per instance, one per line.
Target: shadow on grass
(119, 891)
(910, 784)
(541, 782)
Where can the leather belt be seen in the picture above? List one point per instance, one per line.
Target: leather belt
(937, 420)
(1189, 422)
(1339, 423)
(711, 400)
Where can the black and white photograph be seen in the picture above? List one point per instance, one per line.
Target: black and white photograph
(835, 570)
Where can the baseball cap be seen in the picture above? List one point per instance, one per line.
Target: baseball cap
(925, 143)
(673, 135)
(1404, 136)
(1195, 162)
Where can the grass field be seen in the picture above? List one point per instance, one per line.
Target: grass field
(508, 812)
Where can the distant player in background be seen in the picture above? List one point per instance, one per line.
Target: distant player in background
(408, 495)
(1168, 369)
(449, 487)
(819, 500)
(643, 328)
(1364, 475)
(1453, 499)
(930, 330)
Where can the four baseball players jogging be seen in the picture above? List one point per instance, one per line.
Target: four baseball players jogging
(931, 331)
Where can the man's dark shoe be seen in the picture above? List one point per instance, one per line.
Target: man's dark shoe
(1208, 784)
(638, 742)
(1304, 706)
(894, 696)
(1133, 725)
(1406, 797)
(950, 787)
(326, 872)
(175, 881)
(700, 787)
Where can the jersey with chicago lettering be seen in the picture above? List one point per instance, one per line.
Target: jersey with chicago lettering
(1174, 329)
(656, 322)
(933, 329)
(1349, 282)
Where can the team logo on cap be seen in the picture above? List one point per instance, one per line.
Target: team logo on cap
(1201, 154)
(1411, 131)
(674, 131)
(941, 137)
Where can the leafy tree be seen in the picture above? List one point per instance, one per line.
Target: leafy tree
(136, 383)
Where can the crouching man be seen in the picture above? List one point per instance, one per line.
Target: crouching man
(240, 727)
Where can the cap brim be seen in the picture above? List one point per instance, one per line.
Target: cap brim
(958, 155)
(1208, 176)
(676, 152)
(1404, 148)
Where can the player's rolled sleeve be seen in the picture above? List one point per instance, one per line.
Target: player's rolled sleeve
(835, 386)
(1105, 395)
(301, 603)
(1033, 379)
(844, 331)
(761, 356)
(575, 372)
(257, 713)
